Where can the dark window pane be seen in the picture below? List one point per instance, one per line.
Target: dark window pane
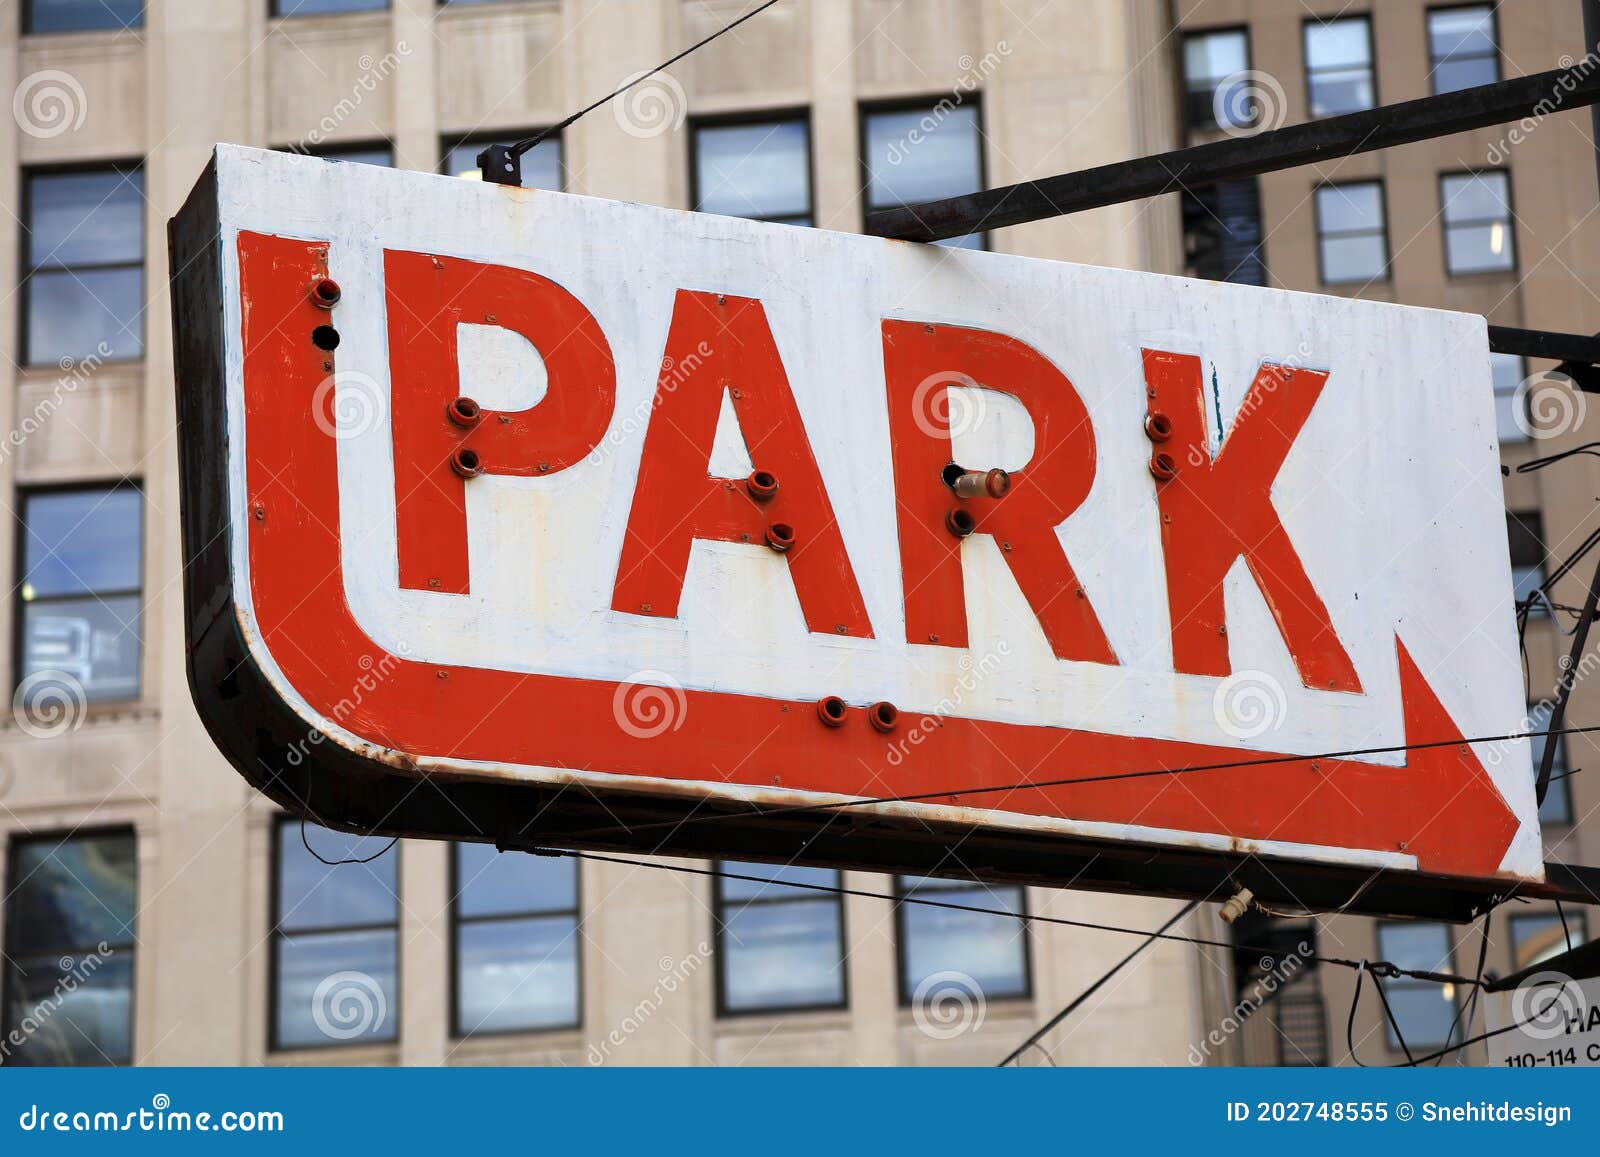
(1557, 805)
(71, 896)
(921, 155)
(312, 894)
(1453, 75)
(782, 955)
(1477, 217)
(94, 218)
(518, 974)
(336, 988)
(1424, 1011)
(1534, 939)
(991, 950)
(1349, 208)
(1222, 232)
(312, 7)
(80, 541)
(1339, 66)
(509, 883)
(1512, 419)
(541, 166)
(1462, 48)
(82, 15)
(91, 642)
(1351, 232)
(778, 875)
(754, 170)
(1209, 58)
(78, 1015)
(78, 313)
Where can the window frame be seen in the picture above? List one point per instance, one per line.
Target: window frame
(23, 495)
(943, 886)
(1386, 275)
(867, 109)
(1445, 224)
(1185, 92)
(26, 270)
(746, 117)
(449, 142)
(719, 908)
(458, 1032)
(275, 935)
(1306, 24)
(12, 952)
(27, 24)
(1427, 35)
(273, 12)
(1532, 521)
(1409, 984)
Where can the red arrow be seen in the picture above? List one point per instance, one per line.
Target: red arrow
(1441, 807)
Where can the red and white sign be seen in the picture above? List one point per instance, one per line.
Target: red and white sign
(1240, 523)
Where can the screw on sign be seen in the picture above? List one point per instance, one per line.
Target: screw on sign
(1153, 485)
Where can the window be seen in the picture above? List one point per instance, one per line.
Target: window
(1463, 47)
(1557, 805)
(922, 154)
(778, 947)
(80, 594)
(1477, 222)
(68, 963)
(1339, 66)
(312, 7)
(380, 153)
(1209, 59)
(1222, 232)
(1425, 1011)
(1351, 237)
(1525, 530)
(541, 167)
(757, 169)
(516, 941)
(1511, 416)
(334, 938)
(1536, 938)
(83, 278)
(991, 951)
(81, 15)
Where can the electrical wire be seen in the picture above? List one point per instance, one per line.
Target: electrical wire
(352, 860)
(1027, 918)
(1072, 781)
(1105, 978)
(524, 146)
(1471, 1005)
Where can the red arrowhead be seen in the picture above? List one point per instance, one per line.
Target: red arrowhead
(1457, 819)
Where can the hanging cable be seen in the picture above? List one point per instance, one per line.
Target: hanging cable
(502, 164)
(352, 860)
(1098, 984)
(1471, 1005)
(1073, 781)
(1027, 918)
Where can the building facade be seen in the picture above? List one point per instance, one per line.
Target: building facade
(157, 911)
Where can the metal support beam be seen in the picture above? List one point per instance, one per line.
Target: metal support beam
(1536, 96)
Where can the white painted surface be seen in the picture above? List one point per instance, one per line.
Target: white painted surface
(1556, 1019)
(1391, 494)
